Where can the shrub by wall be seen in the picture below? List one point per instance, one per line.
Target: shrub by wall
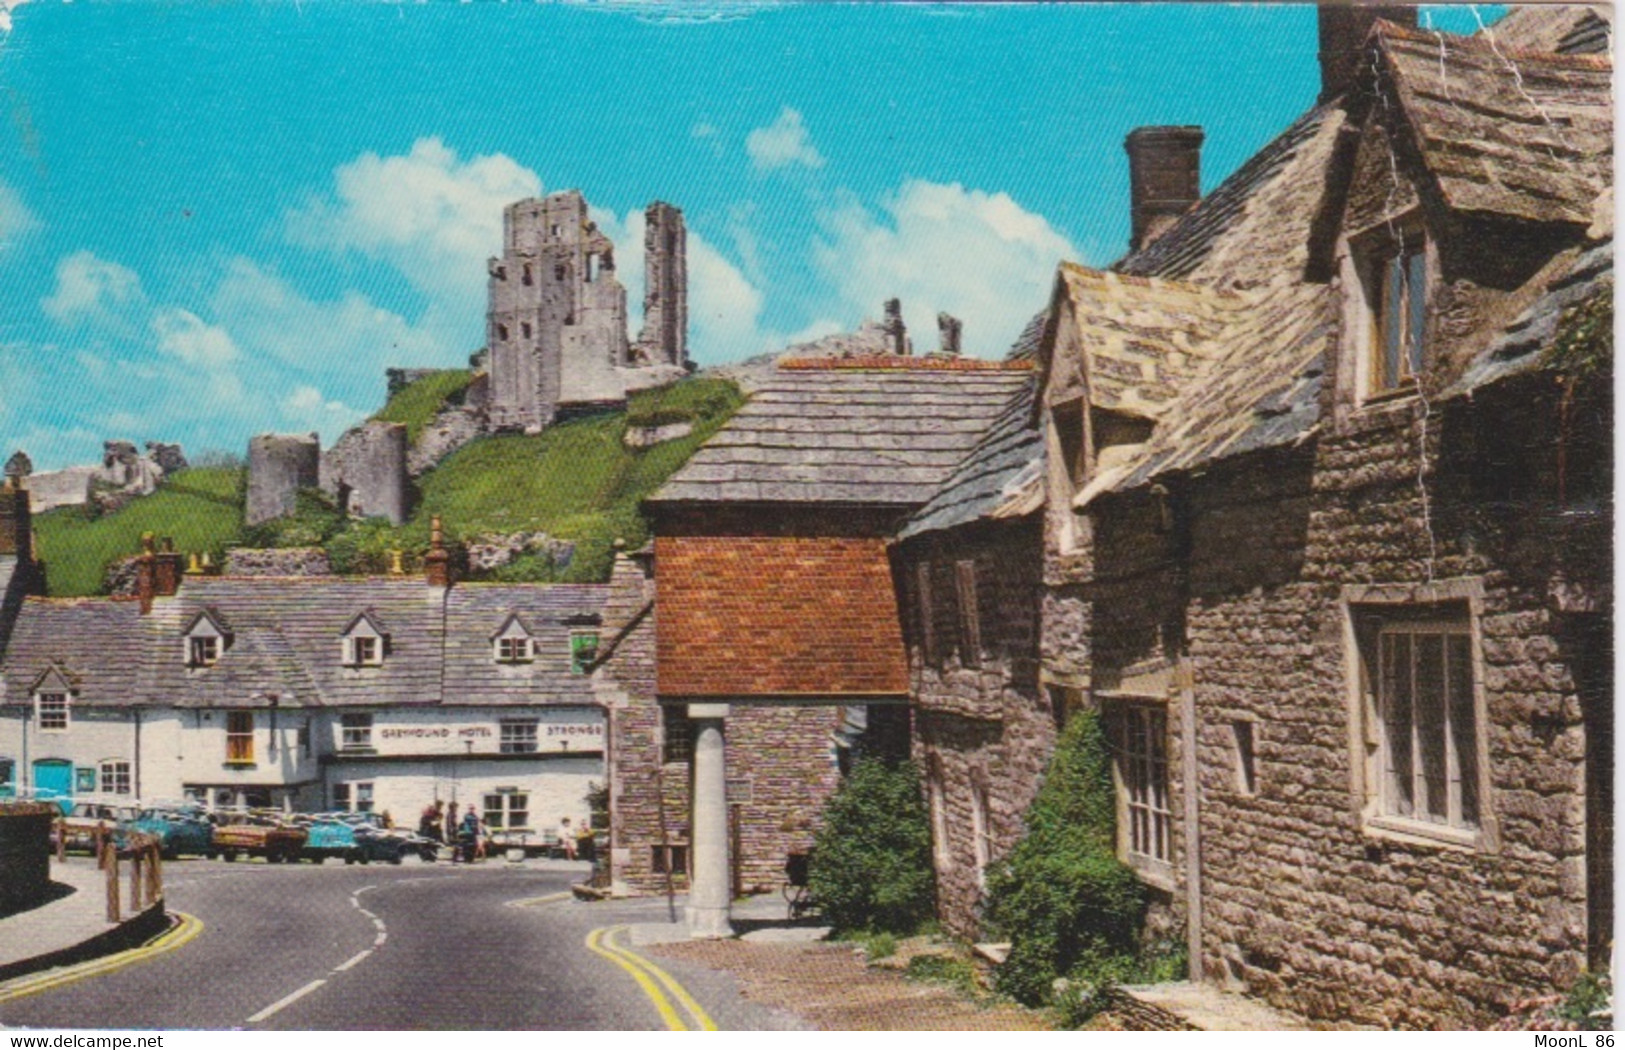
(871, 863)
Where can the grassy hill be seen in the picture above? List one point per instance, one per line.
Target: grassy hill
(576, 481)
(201, 509)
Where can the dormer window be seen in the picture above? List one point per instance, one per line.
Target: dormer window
(201, 652)
(1394, 272)
(206, 638)
(512, 644)
(364, 641)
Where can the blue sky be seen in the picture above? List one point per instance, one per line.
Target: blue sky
(222, 219)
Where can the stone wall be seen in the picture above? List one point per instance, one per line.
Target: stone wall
(279, 465)
(366, 472)
(284, 561)
(1308, 903)
(664, 338)
(989, 725)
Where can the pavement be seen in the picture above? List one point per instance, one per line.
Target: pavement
(761, 918)
(68, 920)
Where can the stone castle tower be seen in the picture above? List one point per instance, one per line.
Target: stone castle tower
(556, 320)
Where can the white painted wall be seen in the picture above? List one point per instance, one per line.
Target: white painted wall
(557, 786)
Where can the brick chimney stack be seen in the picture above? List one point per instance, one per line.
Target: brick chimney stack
(1343, 29)
(1165, 178)
(437, 563)
(167, 566)
(146, 573)
(949, 329)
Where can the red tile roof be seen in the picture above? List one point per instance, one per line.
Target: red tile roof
(897, 362)
(747, 616)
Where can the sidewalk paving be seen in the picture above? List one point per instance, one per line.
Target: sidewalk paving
(62, 923)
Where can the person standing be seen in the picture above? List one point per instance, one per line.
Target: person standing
(468, 835)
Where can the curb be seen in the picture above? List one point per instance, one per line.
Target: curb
(131, 933)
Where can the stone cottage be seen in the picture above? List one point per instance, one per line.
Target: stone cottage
(1328, 532)
(771, 618)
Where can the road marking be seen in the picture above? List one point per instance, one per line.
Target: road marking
(548, 898)
(354, 959)
(286, 1000)
(378, 941)
(646, 973)
(185, 929)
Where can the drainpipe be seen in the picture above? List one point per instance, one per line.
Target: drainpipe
(137, 760)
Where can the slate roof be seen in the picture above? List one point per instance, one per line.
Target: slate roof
(877, 431)
(1516, 349)
(288, 641)
(1504, 130)
(785, 616)
(475, 611)
(95, 642)
(991, 477)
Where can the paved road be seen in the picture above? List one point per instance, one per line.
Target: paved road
(419, 946)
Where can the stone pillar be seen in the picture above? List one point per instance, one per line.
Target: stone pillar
(708, 883)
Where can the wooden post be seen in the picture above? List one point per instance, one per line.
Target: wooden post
(98, 842)
(61, 840)
(155, 875)
(110, 865)
(135, 881)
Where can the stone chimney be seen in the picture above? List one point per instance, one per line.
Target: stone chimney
(16, 521)
(1165, 178)
(949, 328)
(437, 563)
(896, 331)
(167, 572)
(1343, 29)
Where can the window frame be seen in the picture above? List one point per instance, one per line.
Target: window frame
(354, 733)
(1370, 612)
(239, 740)
(353, 650)
(1376, 252)
(40, 712)
(981, 820)
(514, 649)
(203, 650)
(501, 816)
(930, 653)
(511, 737)
(937, 801)
(676, 747)
(113, 777)
(582, 655)
(970, 613)
(1145, 818)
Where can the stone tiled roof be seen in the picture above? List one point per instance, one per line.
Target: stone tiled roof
(1516, 349)
(849, 431)
(766, 616)
(1542, 27)
(991, 476)
(287, 641)
(1519, 133)
(95, 642)
(475, 612)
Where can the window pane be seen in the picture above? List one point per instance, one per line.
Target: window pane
(1429, 705)
(1392, 320)
(1396, 713)
(1416, 307)
(1464, 725)
(493, 812)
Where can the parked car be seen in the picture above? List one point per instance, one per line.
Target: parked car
(256, 835)
(78, 827)
(178, 829)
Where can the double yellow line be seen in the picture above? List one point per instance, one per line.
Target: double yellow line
(185, 929)
(651, 978)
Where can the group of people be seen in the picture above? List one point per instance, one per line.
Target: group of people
(466, 837)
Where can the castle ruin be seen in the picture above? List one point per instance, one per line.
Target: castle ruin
(556, 323)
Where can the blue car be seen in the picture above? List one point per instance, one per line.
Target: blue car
(353, 840)
(178, 830)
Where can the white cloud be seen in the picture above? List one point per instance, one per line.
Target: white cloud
(433, 217)
(15, 218)
(979, 256)
(307, 409)
(6, 8)
(724, 306)
(185, 335)
(344, 336)
(95, 291)
(782, 143)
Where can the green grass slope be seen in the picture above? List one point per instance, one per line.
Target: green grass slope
(416, 404)
(201, 509)
(576, 481)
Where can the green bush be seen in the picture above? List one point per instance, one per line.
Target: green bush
(953, 971)
(1589, 1003)
(871, 864)
(315, 519)
(1062, 897)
